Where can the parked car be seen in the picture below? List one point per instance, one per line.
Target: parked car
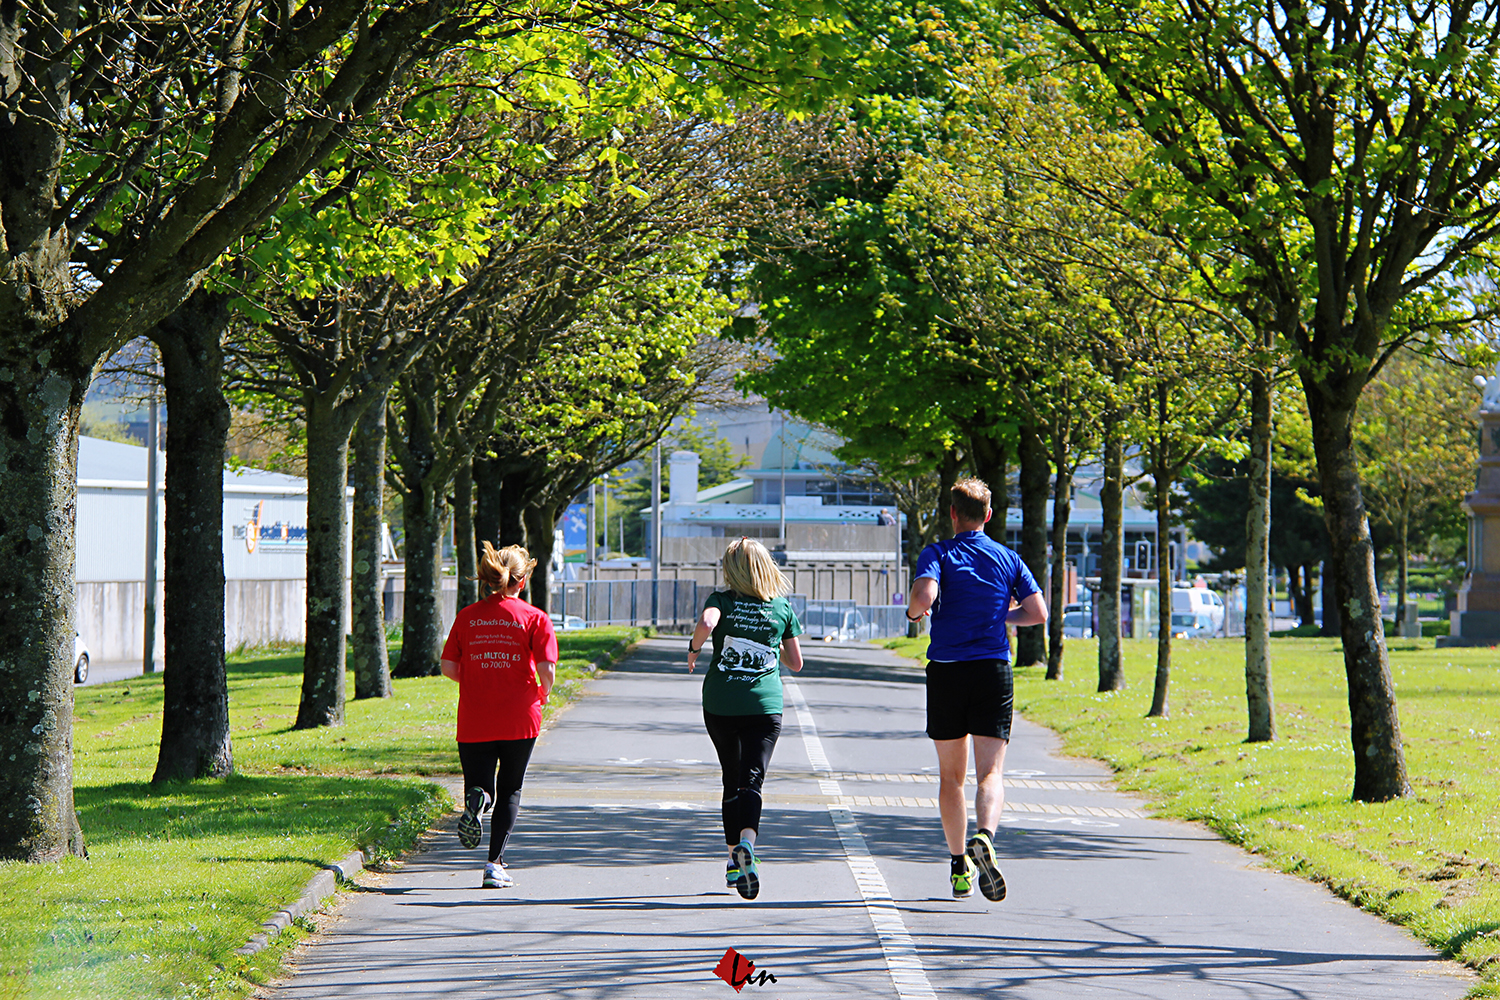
(80, 659)
(1186, 625)
(1078, 624)
(1198, 601)
(837, 624)
(561, 622)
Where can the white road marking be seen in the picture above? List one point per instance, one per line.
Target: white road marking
(901, 958)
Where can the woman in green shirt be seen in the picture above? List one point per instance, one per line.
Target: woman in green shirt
(754, 630)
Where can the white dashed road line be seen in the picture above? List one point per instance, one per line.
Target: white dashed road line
(901, 958)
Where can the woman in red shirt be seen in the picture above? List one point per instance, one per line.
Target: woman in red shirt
(503, 653)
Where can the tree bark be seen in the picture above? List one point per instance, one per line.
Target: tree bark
(1259, 700)
(489, 482)
(541, 525)
(195, 740)
(1062, 507)
(514, 497)
(1375, 730)
(1111, 557)
(1160, 703)
(1294, 591)
(1331, 616)
(40, 397)
(1035, 484)
(1401, 583)
(990, 459)
(422, 628)
(463, 534)
(323, 683)
(367, 653)
(947, 476)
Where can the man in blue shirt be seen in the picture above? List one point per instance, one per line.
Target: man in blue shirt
(973, 586)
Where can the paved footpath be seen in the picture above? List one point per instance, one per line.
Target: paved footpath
(618, 860)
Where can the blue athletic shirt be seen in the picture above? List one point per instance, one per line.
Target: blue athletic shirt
(977, 578)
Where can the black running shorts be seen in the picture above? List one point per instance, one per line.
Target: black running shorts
(969, 698)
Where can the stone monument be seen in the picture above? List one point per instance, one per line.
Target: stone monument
(1477, 620)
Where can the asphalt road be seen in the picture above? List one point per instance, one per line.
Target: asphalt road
(618, 860)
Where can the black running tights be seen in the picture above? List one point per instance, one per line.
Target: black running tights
(744, 743)
(481, 762)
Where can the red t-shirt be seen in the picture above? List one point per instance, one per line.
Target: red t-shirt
(497, 644)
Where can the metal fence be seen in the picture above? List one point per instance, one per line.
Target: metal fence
(847, 621)
(626, 602)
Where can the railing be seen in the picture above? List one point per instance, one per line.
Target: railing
(849, 622)
(626, 602)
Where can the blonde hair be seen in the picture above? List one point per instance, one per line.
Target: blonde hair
(750, 570)
(971, 499)
(501, 569)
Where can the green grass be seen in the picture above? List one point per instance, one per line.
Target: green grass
(1430, 861)
(180, 876)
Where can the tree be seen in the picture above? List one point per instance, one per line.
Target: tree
(137, 148)
(1351, 156)
(1417, 451)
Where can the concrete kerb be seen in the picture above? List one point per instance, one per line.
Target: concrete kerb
(326, 882)
(323, 885)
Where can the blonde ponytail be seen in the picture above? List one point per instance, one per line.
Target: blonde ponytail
(501, 569)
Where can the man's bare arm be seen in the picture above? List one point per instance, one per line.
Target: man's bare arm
(1033, 611)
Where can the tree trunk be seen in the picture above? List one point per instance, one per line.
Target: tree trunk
(990, 459)
(422, 628)
(368, 655)
(323, 665)
(1294, 591)
(1259, 702)
(1375, 730)
(1306, 614)
(464, 542)
(40, 397)
(1111, 557)
(1160, 704)
(489, 481)
(195, 689)
(1035, 484)
(1401, 584)
(947, 476)
(514, 498)
(541, 525)
(1331, 626)
(1062, 507)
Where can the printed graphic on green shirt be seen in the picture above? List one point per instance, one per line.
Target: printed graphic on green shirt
(745, 659)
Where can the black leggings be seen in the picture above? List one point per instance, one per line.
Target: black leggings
(480, 762)
(744, 744)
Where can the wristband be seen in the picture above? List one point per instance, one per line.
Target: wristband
(918, 618)
(692, 650)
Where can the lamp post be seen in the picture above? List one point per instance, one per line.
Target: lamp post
(153, 436)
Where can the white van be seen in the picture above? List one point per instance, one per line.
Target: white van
(1199, 601)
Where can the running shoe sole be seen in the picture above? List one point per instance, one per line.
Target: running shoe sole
(470, 829)
(991, 881)
(748, 884)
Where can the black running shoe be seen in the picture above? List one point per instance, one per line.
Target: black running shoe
(470, 827)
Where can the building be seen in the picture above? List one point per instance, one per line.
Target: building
(265, 552)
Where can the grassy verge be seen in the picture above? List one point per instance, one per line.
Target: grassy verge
(179, 876)
(1430, 861)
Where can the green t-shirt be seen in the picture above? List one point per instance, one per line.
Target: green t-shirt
(744, 678)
